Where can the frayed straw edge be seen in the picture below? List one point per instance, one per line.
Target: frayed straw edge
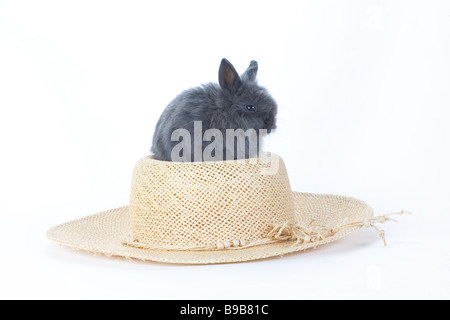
(282, 232)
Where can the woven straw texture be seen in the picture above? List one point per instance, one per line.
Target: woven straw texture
(103, 233)
(195, 205)
(214, 212)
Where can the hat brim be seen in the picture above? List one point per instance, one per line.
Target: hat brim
(103, 232)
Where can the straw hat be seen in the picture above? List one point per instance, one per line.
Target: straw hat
(215, 212)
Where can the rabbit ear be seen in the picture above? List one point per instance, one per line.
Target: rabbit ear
(252, 70)
(228, 77)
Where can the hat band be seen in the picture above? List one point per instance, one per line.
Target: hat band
(298, 234)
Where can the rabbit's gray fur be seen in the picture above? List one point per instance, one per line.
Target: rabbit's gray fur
(219, 106)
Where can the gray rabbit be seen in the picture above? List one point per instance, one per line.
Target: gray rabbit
(208, 118)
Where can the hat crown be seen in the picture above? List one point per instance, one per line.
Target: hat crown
(203, 204)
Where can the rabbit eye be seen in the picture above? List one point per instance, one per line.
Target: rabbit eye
(251, 107)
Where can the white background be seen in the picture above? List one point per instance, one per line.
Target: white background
(363, 90)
